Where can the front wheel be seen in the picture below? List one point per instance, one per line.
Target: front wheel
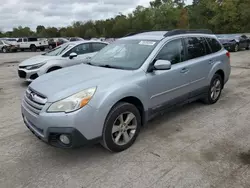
(4, 50)
(215, 89)
(42, 49)
(236, 48)
(121, 127)
(248, 47)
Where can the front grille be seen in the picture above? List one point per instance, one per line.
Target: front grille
(34, 102)
(21, 74)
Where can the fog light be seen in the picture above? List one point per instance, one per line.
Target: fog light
(64, 139)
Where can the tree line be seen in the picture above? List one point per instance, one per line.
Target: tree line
(221, 16)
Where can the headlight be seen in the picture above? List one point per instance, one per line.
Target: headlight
(36, 66)
(74, 102)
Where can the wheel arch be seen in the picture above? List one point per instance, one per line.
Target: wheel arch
(137, 103)
(53, 68)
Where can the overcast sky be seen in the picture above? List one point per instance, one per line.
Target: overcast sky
(59, 13)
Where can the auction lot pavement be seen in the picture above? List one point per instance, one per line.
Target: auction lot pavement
(194, 146)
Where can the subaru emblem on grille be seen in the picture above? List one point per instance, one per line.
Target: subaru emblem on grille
(31, 95)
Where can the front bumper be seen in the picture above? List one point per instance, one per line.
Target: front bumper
(28, 75)
(49, 126)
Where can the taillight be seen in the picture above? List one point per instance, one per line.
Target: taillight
(228, 55)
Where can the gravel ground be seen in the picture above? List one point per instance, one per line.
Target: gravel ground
(194, 146)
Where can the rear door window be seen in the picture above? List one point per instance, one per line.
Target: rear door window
(214, 44)
(195, 47)
(98, 46)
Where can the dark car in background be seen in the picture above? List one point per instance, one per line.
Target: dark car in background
(234, 42)
(54, 42)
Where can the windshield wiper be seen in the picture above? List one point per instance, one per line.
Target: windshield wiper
(109, 66)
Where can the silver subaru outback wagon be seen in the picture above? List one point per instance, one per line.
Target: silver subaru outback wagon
(109, 98)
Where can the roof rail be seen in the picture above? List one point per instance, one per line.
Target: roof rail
(183, 31)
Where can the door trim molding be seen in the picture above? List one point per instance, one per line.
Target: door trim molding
(179, 87)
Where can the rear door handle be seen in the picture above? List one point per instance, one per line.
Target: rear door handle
(184, 70)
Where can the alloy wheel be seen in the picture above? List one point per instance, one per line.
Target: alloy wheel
(215, 89)
(124, 128)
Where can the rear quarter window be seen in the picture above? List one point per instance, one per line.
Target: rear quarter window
(214, 44)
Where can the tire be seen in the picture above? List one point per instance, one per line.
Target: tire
(248, 47)
(33, 48)
(42, 49)
(216, 88)
(53, 69)
(50, 47)
(116, 141)
(4, 50)
(236, 48)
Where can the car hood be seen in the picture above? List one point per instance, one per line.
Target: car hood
(68, 81)
(38, 59)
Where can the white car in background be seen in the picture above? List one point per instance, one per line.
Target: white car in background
(65, 55)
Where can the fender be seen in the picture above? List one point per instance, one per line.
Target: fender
(218, 65)
(50, 64)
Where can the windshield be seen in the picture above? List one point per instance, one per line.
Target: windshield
(7, 42)
(124, 54)
(59, 50)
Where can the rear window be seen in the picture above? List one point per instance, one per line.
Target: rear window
(214, 44)
(98, 46)
(32, 39)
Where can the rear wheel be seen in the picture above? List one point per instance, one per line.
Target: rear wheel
(121, 127)
(50, 47)
(215, 89)
(33, 48)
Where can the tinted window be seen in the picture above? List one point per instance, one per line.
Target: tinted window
(19, 40)
(97, 46)
(25, 40)
(205, 44)
(214, 44)
(244, 36)
(32, 39)
(195, 47)
(172, 51)
(79, 49)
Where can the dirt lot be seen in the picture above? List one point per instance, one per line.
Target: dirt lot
(194, 146)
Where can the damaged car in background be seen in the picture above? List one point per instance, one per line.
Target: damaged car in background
(6, 46)
(234, 42)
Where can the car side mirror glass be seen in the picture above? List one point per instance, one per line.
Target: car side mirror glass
(162, 65)
(72, 55)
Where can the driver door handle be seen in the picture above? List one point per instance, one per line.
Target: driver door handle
(184, 70)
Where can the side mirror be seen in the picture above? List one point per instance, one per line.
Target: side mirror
(162, 65)
(72, 55)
